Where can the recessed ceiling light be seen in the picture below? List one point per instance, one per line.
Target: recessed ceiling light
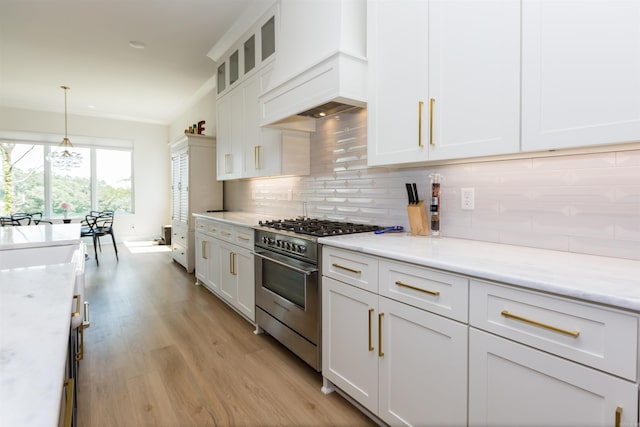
(136, 45)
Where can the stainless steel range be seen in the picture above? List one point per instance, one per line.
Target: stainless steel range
(288, 288)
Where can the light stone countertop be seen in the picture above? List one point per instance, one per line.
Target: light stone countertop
(35, 307)
(610, 281)
(244, 219)
(32, 236)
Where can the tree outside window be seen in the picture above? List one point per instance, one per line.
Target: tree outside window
(30, 184)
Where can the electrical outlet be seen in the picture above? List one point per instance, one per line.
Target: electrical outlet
(467, 199)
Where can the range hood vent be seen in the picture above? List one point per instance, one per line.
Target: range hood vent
(333, 85)
(328, 109)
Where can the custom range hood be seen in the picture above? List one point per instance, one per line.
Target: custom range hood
(320, 67)
(334, 85)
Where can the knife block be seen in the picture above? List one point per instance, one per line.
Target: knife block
(418, 222)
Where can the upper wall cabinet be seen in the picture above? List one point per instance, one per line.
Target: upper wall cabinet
(321, 58)
(255, 47)
(443, 79)
(580, 73)
(246, 150)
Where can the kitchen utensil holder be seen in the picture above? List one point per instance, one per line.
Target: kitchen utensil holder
(418, 222)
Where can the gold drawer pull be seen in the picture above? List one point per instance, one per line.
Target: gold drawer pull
(574, 334)
(380, 352)
(347, 268)
(226, 233)
(246, 239)
(618, 415)
(78, 303)
(370, 345)
(404, 285)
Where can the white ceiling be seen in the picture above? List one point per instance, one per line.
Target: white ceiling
(84, 44)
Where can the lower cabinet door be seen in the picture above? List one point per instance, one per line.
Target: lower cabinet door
(423, 367)
(228, 273)
(246, 302)
(350, 341)
(511, 384)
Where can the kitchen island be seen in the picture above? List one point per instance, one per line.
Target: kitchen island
(41, 269)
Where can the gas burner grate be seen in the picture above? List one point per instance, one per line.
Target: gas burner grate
(318, 227)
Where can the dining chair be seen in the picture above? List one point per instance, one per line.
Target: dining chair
(95, 225)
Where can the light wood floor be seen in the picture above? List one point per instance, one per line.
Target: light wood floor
(163, 352)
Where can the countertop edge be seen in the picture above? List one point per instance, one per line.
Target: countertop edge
(492, 272)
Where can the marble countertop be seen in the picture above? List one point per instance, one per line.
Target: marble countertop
(245, 219)
(32, 236)
(35, 307)
(604, 280)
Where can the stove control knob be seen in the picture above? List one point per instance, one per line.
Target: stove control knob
(302, 249)
(279, 243)
(288, 245)
(265, 240)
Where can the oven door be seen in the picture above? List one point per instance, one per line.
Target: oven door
(287, 289)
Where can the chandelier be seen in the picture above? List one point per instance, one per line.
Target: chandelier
(63, 157)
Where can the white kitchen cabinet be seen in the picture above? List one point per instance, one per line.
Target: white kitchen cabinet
(512, 384)
(580, 73)
(225, 263)
(193, 189)
(549, 360)
(237, 285)
(229, 135)
(242, 57)
(350, 340)
(248, 150)
(444, 80)
(208, 261)
(404, 364)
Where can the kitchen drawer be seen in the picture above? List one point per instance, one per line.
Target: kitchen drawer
(244, 236)
(207, 226)
(226, 232)
(180, 235)
(425, 288)
(596, 336)
(179, 253)
(350, 267)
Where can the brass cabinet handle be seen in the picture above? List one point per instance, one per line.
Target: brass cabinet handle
(68, 405)
(226, 233)
(618, 415)
(347, 268)
(232, 263)
(431, 108)
(574, 334)
(227, 157)
(77, 312)
(246, 239)
(256, 157)
(420, 104)
(86, 322)
(380, 352)
(204, 249)
(370, 344)
(80, 352)
(404, 285)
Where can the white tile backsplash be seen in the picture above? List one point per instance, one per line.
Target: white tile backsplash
(586, 203)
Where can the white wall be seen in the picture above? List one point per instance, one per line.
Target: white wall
(585, 203)
(151, 170)
(204, 109)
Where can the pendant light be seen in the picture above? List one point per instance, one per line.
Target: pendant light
(63, 157)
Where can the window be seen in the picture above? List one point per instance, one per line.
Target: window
(31, 184)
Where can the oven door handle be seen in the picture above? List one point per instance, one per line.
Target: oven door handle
(289, 266)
